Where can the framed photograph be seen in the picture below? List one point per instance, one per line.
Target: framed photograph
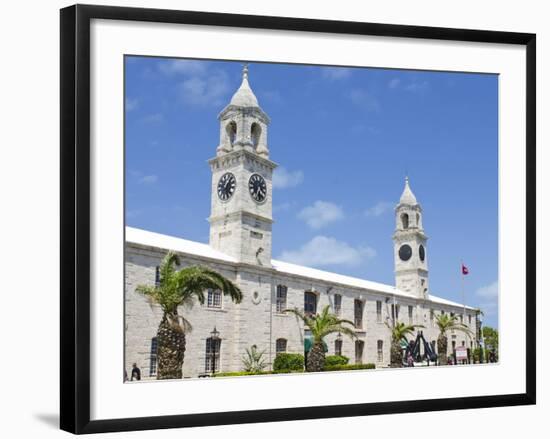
(274, 218)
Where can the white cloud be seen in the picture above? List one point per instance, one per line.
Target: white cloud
(153, 118)
(379, 208)
(489, 308)
(417, 87)
(131, 104)
(489, 291)
(336, 73)
(364, 99)
(320, 214)
(149, 179)
(283, 207)
(394, 83)
(282, 178)
(322, 250)
(182, 67)
(205, 90)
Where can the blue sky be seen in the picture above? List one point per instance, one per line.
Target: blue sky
(344, 139)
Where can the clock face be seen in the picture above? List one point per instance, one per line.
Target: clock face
(421, 252)
(405, 252)
(226, 186)
(257, 188)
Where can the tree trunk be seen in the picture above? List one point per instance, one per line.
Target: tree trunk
(442, 349)
(170, 350)
(396, 354)
(316, 358)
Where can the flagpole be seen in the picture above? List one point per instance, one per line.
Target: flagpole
(463, 300)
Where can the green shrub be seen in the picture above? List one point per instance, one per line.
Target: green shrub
(288, 362)
(335, 360)
(247, 373)
(349, 367)
(240, 373)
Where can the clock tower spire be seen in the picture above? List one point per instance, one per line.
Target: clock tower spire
(411, 262)
(241, 200)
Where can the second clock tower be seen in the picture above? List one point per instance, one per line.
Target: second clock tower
(241, 206)
(411, 260)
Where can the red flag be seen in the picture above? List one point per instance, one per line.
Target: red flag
(465, 269)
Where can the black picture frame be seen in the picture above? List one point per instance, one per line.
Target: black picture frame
(75, 217)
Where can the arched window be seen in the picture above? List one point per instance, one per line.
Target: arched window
(280, 346)
(255, 133)
(337, 347)
(281, 298)
(359, 345)
(417, 220)
(380, 350)
(231, 130)
(310, 303)
(405, 220)
(212, 358)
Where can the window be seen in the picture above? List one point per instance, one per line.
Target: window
(379, 311)
(214, 299)
(212, 363)
(280, 346)
(281, 298)
(337, 304)
(153, 357)
(337, 347)
(395, 312)
(410, 315)
(157, 276)
(461, 319)
(463, 343)
(358, 313)
(431, 315)
(255, 133)
(470, 319)
(405, 221)
(231, 131)
(310, 302)
(359, 344)
(417, 220)
(380, 350)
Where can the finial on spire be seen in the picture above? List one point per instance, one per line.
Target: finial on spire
(407, 197)
(244, 96)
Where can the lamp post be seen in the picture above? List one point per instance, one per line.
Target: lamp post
(215, 337)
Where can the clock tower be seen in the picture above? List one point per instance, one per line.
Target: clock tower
(241, 201)
(411, 261)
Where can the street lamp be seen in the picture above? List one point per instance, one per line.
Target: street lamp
(215, 337)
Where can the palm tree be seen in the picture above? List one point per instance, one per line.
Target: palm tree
(446, 322)
(320, 326)
(177, 288)
(399, 332)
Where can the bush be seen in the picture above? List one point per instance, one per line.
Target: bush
(240, 373)
(349, 367)
(288, 362)
(246, 373)
(336, 360)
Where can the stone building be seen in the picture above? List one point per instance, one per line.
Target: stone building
(240, 249)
